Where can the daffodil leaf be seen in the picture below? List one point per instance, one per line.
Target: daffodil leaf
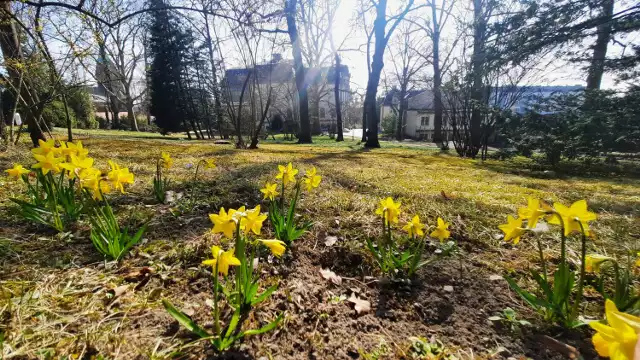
(184, 320)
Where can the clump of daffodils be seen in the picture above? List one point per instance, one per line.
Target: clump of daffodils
(560, 305)
(59, 173)
(67, 184)
(398, 258)
(244, 227)
(283, 218)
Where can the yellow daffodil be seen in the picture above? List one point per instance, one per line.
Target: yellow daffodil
(119, 176)
(48, 162)
(77, 163)
(17, 171)
(532, 213)
(45, 147)
(592, 262)
(166, 160)
(287, 173)
(223, 223)
(638, 259)
(312, 180)
(513, 229)
(223, 258)
(68, 149)
(618, 339)
(414, 227)
(389, 209)
(277, 247)
(252, 221)
(210, 164)
(573, 217)
(91, 179)
(269, 191)
(441, 231)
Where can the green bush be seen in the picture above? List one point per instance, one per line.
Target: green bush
(79, 100)
(389, 125)
(54, 114)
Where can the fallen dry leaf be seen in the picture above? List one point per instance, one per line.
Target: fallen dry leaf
(331, 276)
(361, 306)
(330, 240)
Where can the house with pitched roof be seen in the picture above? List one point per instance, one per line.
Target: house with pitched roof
(419, 112)
(278, 74)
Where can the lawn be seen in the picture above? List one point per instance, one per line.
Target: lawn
(59, 298)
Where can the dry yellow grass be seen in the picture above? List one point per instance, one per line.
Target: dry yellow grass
(54, 294)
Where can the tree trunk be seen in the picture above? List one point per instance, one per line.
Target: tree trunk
(115, 113)
(254, 140)
(364, 121)
(214, 85)
(437, 80)
(11, 52)
(316, 129)
(131, 116)
(336, 93)
(66, 113)
(377, 64)
(304, 137)
(596, 68)
(478, 58)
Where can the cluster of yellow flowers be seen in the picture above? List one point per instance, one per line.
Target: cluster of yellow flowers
(287, 174)
(573, 219)
(390, 211)
(73, 160)
(246, 221)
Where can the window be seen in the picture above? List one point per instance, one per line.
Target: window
(424, 121)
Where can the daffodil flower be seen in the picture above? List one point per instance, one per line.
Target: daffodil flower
(513, 229)
(592, 262)
(252, 221)
(618, 339)
(17, 171)
(224, 259)
(119, 176)
(269, 191)
(48, 162)
(91, 179)
(532, 213)
(573, 217)
(45, 147)
(77, 163)
(312, 180)
(210, 163)
(223, 223)
(166, 160)
(414, 227)
(389, 210)
(441, 232)
(287, 173)
(277, 247)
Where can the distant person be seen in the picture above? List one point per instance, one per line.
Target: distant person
(17, 120)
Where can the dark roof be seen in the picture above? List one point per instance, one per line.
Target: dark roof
(392, 97)
(281, 72)
(266, 73)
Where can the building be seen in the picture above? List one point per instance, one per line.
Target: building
(278, 74)
(419, 113)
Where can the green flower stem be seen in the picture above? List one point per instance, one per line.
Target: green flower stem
(282, 197)
(542, 260)
(241, 269)
(216, 324)
(195, 176)
(583, 265)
